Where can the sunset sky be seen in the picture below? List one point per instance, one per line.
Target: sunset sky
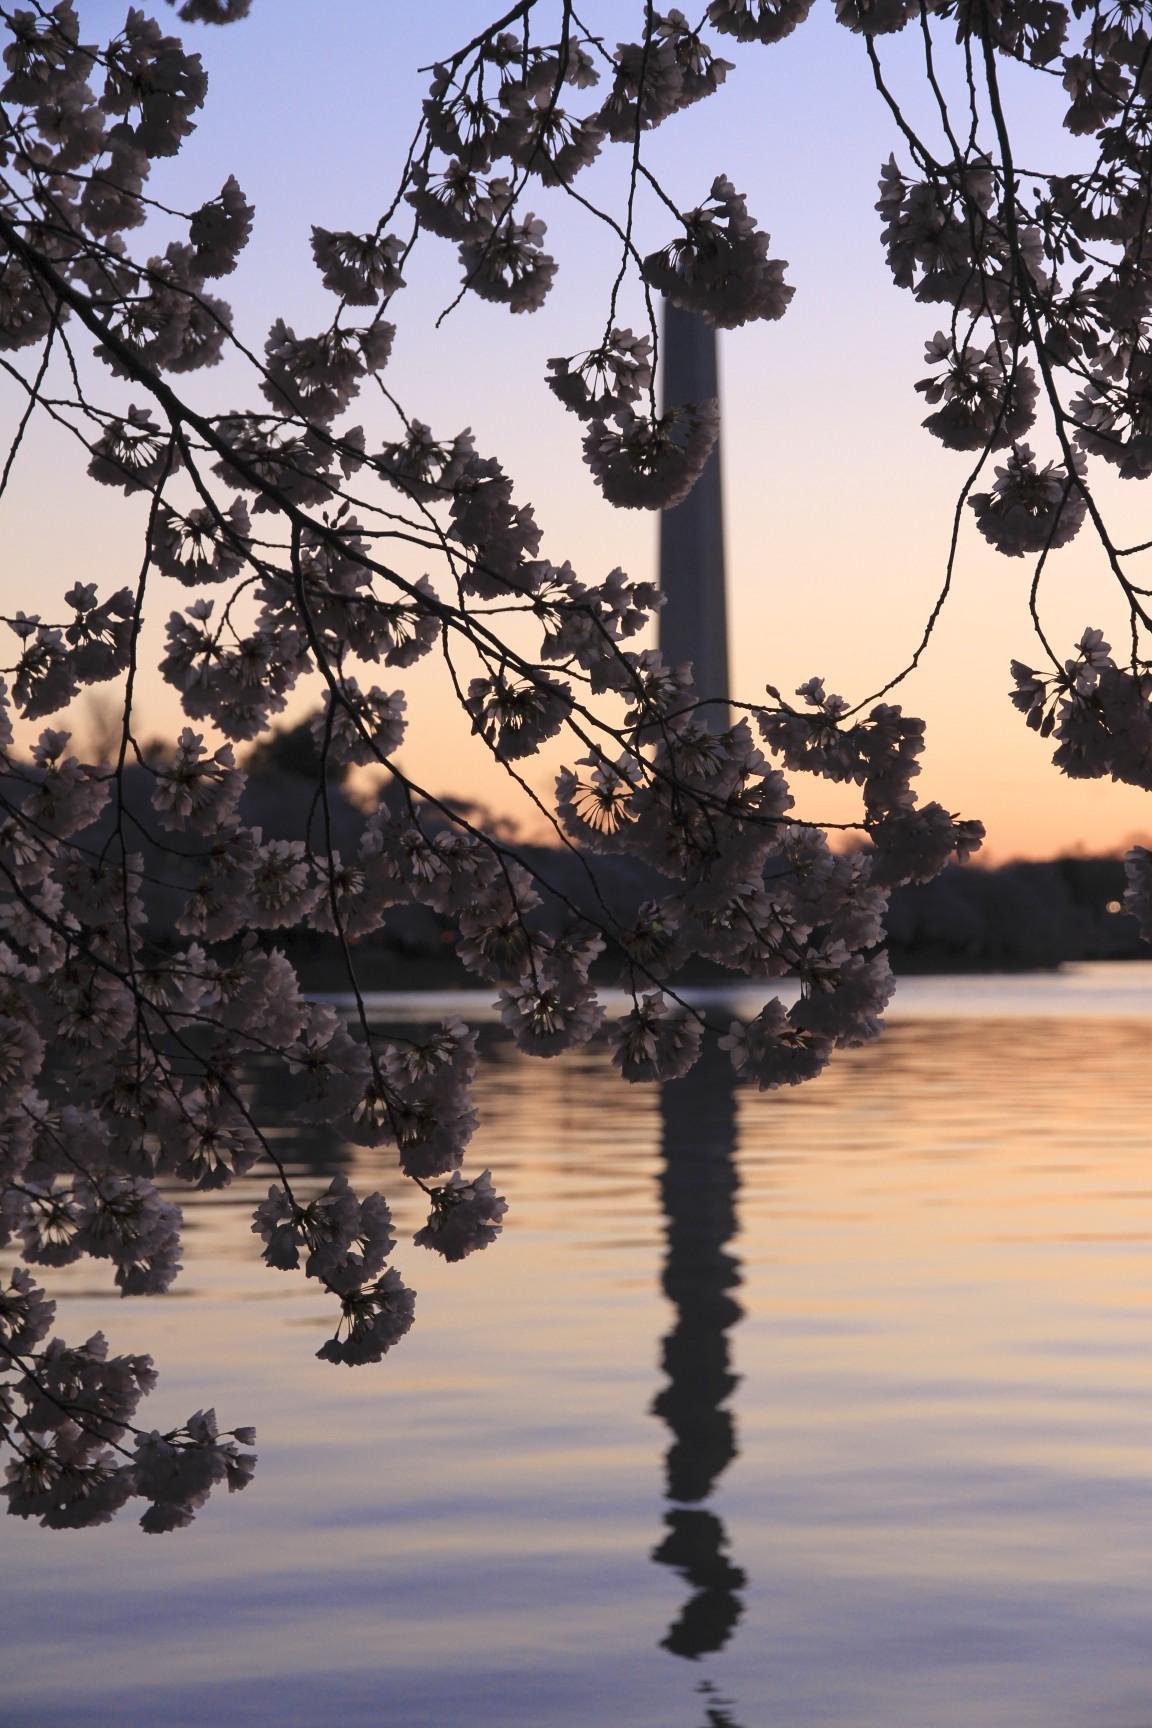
(838, 503)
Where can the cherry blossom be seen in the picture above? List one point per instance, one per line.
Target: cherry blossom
(144, 934)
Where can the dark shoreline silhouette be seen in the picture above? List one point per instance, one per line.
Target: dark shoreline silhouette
(1021, 917)
(973, 918)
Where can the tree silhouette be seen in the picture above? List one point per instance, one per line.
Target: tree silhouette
(285, 531)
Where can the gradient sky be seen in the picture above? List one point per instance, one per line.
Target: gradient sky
(838, 504)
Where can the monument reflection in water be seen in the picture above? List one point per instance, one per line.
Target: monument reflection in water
(698, 1189)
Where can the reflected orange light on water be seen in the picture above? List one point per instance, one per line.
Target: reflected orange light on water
(922, 1497)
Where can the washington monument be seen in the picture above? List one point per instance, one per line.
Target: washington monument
(694, 617)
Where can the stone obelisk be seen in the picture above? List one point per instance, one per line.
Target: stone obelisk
(694, 617)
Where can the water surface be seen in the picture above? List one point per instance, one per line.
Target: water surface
(832, 1406)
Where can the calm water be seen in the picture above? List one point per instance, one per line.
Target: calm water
(832, 1407)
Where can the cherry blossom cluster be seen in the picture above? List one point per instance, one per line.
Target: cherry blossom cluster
(137, 1000)
(1046, 283)
(67, 1414)
(1046, 279)
(1100, 713)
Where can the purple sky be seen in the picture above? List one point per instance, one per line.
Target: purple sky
(839, 504)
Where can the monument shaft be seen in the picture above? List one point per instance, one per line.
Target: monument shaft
(694, 617)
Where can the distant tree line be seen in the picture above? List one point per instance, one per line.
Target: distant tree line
(969, 918)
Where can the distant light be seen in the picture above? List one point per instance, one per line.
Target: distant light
(1114, 906)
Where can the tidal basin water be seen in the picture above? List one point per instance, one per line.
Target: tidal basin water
(826, 1407)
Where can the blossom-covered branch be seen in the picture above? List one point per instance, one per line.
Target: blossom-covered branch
(283, 534)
